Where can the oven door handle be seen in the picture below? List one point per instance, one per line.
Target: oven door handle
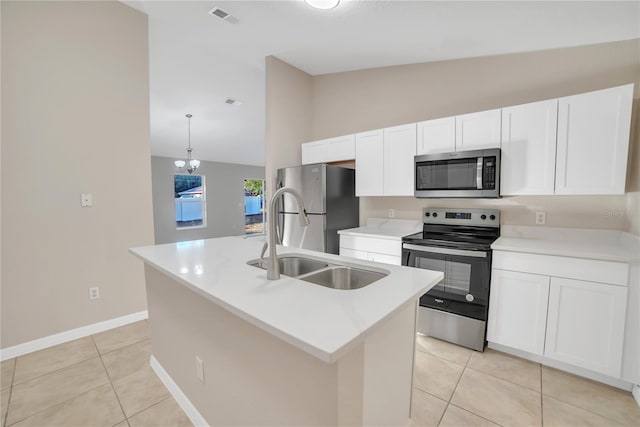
(446, 251)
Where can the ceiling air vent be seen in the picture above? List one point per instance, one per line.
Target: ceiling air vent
(216, 11)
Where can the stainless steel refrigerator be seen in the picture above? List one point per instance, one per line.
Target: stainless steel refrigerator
(329, 194)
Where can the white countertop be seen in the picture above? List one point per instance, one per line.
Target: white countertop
(324, 322)
(606, 245)
(385, 228)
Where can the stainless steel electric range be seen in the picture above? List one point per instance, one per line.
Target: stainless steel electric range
(458, 243)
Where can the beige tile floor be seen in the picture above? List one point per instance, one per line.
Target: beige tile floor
(105, 380)
(454, 386)
(101, 380)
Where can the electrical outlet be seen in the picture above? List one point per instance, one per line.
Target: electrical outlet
(200, 369)
(392, 213)
(94, 293)
(86, 200)
(541, 218)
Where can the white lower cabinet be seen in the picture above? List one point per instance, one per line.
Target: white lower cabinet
(518, 310)
(573, 321)
(371, 249)
(585, 324)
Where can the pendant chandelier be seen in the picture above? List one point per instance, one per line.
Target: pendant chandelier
(191, 164)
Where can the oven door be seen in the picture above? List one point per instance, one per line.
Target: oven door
(467, 274)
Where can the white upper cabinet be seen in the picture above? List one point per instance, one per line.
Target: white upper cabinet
(314, 152)
(593, 141)
(399, 150)
(478, 130)
(329, 150)
(341, 148)
(436, 136)
(369, 163)
(529, 148)
(384, 161)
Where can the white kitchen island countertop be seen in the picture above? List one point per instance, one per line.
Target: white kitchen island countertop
(326, 323)
(606, 245)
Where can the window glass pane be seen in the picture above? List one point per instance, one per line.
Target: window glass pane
(254, 206)
(189, 193)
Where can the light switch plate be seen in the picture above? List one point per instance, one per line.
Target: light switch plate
(86, 200)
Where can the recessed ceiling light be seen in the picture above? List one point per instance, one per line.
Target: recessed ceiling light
(231, 101)
(323, 4)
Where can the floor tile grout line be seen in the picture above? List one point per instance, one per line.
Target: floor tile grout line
(55, 370)
(119, 348)
(109, 378)
(13, 376)
(57, 404)
(150, 406)
(584, 409)
(479, 416)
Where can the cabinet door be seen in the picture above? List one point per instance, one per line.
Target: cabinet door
(518, 310)
(585, 325)
(385, 259)
(437, 136)
(369, 163)
(529, 148)
(399, 151)
(314, 152)
(478, 130)
(341, 148)
(593, 141)
(353, 253)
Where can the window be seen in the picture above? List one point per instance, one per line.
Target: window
(254, 206)
(190, 201)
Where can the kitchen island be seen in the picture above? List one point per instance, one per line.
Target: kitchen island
(237, 349)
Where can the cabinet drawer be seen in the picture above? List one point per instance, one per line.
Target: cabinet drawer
(354, 253)
(615, 273)
(385, 259)
(371, 244)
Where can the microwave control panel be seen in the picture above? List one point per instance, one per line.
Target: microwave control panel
(489, 173)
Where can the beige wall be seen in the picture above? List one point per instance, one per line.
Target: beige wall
(356, 101)
(288, 116)
(75, 118)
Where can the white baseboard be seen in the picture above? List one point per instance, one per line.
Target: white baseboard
(595, 376)
(184, 402)
(73, 334)
(636, 393)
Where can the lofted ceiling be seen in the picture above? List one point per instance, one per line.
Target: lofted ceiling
(197, 60)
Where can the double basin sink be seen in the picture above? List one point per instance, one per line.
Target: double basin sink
(320, 272)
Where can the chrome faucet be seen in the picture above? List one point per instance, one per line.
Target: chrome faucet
(273, 266)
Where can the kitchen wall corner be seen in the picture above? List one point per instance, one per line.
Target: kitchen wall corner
(288, 116)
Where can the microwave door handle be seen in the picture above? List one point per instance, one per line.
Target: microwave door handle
(479, 173)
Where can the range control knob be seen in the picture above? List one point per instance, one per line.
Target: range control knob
(427, 214)
(492, 217)
(469, 297)
(483, 216)
(435, 214)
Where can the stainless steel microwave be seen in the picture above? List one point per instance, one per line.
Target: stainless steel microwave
(461, 174)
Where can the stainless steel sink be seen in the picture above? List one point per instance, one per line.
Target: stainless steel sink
(322, 273)
(292, 266)
(343, 277)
